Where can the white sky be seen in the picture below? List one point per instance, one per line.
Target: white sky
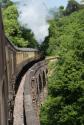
(56, 3)
(52, 3)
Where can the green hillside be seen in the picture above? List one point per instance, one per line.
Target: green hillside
(65, 103)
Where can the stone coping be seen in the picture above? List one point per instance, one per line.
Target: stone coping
(20, 49)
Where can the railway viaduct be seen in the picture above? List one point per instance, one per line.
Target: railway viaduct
(23, 83)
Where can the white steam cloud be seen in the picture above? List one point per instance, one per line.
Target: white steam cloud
(33, 15)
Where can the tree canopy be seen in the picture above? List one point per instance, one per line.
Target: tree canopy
(17, 34)
(65, 103)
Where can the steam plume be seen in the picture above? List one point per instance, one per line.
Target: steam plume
(33, 15)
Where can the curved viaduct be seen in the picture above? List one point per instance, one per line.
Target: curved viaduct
(23, 83)
(31, 94)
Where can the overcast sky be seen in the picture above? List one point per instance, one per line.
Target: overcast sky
(52, 3)
(56, 3)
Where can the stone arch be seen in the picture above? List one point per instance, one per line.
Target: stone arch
(44, 79)
(33, 90)
(40, 83)
(33, 82)
(46, 70)
(37, 88)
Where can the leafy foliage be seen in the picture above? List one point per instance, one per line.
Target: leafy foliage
(65, 103)
(18, 35)
(72, 6)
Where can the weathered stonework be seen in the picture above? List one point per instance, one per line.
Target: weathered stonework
(34, 92)
(3, 79)
(14, 61)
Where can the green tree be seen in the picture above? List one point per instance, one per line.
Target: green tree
(72, 6)
(65, 103)
(18, 35)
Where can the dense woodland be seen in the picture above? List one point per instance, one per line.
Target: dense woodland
(65, 102)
